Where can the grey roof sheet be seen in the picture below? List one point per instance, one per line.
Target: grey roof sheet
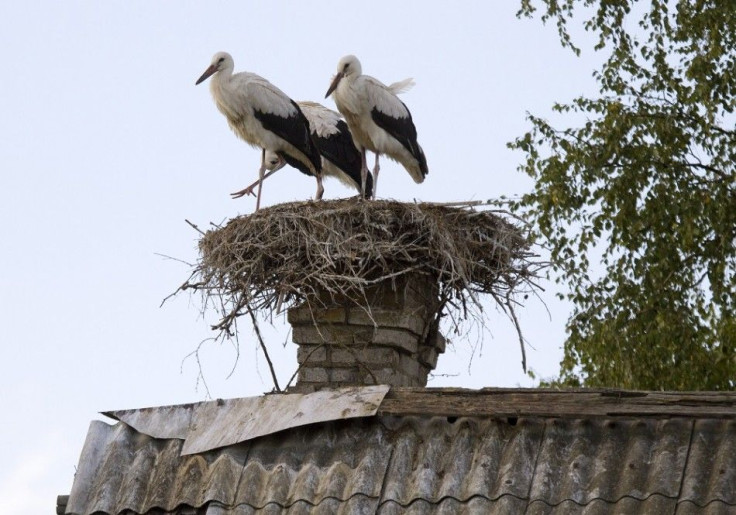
(208, 425)
(408, 464)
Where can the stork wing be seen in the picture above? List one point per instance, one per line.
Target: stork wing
(333, 138)
(335, 143)
(392, 115)
(282, 116)
(401, 128)
(383, 99)
(339, 149)
(322, 121)
(263, 96)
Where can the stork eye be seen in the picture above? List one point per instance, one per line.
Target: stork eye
(345, 68)
(220, 60)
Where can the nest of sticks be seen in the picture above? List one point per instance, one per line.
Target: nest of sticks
(284, 255)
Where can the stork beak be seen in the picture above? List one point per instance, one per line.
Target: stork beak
(334, 84)
(209, 71)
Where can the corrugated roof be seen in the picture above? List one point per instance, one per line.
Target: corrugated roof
(415, 464)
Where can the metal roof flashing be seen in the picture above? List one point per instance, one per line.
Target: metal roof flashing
(210, 425)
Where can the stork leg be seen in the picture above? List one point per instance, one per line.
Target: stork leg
(320, 187)
(249, 190)
(261, 176)
(376, 169)
(363, 173)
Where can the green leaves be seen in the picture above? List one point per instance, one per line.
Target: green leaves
(645, 190)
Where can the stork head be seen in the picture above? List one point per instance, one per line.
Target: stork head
(220, 61)
(348, 67)
(272, 160)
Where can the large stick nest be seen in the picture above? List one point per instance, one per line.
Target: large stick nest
(285, 254)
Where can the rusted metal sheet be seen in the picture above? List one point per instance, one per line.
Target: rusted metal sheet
(226, 422)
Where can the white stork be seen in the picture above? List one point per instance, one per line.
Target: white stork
(263, 116)
(378, 120)
(340, 157)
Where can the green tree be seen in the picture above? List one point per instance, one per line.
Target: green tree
(638, 202)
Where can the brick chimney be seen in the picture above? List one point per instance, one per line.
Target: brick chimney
(391, 338)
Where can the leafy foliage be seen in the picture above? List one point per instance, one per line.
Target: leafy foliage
(644, 193)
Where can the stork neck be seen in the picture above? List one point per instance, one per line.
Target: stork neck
(223, 76)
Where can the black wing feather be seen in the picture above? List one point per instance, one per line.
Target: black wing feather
(340, 150)
(295, 130)
(291, 161)
(404, 131)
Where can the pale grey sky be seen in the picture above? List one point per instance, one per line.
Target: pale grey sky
(107, 146)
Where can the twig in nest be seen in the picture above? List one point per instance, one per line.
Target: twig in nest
(174, 259)
(194, 226)
(512, 313)
(200, 373)
(263, 348)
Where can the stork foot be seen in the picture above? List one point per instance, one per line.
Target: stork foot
(244, 192)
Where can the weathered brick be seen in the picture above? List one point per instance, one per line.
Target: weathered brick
(409, 366)
(342, 334)
(428, 356)
(298, 315)
(384, 318)
(305, 314)
(370, 355)
(311, 335)
(305, 335)
(362, 335)
(395, 341)
(438, 342)
(315, 353)
(397, 378)
(312, 375)
(341, 356)
(389, 376)
(424, 373)
(397, 338)
(345, 375)
(338, 315)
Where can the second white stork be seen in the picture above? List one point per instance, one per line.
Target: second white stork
(340, 157)
(378, 120)
(263, 116)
